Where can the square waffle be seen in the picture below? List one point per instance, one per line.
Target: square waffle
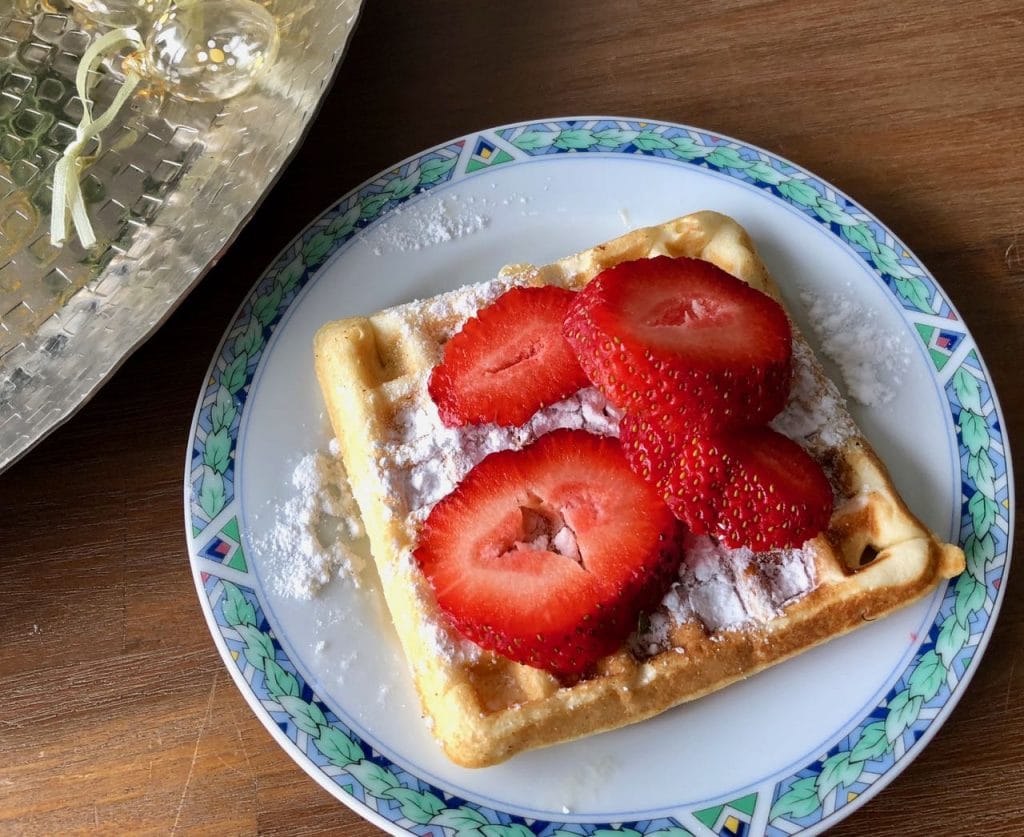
(731, 613)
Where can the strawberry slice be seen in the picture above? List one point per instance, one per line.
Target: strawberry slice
(508, 361)
(777, 495)
(687, 468)
(547, 555)
(683, 338)
(649, 445)
(752, 487)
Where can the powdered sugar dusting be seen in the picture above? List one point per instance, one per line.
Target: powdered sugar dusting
(872, 358)
(442, 316)
(459, 306)
(708, 585)
(428, 223)
(307, 544)
(442, 641)
(727, 589)
(425, 460)
(816, 414)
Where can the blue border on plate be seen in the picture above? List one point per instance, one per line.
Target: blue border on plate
(845, 775)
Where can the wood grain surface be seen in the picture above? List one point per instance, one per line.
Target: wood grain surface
(116, 713)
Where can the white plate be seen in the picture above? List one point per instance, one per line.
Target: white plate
(788, 751)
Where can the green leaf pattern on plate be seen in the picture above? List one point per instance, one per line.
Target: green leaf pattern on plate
(928, 677)
(837, 770)
(265, 308)
(237, 608)
(799, 801)
(218, 450)
(233, 377)
(373, 777)
(433, 170)
(614, 137)
(416, 805)
(534, 140)
(903, 711)
(211, 492)
(280, 681)
(575, 139)
(249, 341)
(222, 416)
(872, 743)
(650, 141)
(258, 645)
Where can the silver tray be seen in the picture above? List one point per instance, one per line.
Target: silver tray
(175, 183)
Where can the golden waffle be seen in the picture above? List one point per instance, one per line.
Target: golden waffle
(733, 613)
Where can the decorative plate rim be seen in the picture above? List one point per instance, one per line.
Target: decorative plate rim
(885, 740)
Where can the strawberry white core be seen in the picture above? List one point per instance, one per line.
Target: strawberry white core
(545, 529)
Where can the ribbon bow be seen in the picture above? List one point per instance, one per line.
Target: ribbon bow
(67, 188)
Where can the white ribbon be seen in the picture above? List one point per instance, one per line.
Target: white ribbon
(67, 187)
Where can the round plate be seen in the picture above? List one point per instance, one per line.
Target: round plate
(791, 750)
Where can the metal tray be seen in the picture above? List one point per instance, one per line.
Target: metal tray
(175, 183)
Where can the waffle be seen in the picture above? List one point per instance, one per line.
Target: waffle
(732, 612)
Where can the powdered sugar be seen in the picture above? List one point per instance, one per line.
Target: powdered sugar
(708, 586)
(437, 319)
(726, 589)
(816, 414)
(461, 306)
(426, 224)
(445, 643)
(430, 221)
(425, 460)
(442, 642)
(307, 544)
(872, 358)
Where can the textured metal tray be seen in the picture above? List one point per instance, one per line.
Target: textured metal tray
(173, 186)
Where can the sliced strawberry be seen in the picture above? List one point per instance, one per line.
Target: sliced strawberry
(697, 483)
(777, 495)
(649, 445)
(750, 487)
(687, 468)
(508, 361)
(547, 555)
(682, 337)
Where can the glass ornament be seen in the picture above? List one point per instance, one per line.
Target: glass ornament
(197, 50)
(210, 50)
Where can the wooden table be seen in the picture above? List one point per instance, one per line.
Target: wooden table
(117, 714)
